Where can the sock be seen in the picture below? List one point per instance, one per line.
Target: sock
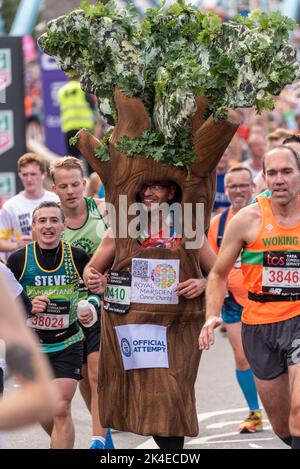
(288, 440)
(99, 438)
(296, 442)
(247, 385)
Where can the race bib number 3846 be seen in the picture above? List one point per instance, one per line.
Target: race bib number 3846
(281, 269)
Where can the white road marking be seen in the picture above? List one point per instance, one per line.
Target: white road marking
(206, 439)
(208, 415)
(253, 445)
(150, 444)
(234, 422)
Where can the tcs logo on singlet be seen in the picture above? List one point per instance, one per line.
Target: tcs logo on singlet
(275, 261)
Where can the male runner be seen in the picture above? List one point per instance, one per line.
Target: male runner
(152, 195)
(268, 235)
(239, 188)
(50, 270)
(85, 227)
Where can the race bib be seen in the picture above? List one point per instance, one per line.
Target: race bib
(55, 317)
(118, 292)
(143, 346)
(281, 271)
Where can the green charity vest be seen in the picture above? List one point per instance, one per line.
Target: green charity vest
(61, 286)
(90, 234)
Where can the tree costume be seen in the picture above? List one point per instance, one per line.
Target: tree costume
(168, 87)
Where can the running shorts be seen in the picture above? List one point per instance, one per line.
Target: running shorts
(67, 363)
(231, 311)
(271, 348)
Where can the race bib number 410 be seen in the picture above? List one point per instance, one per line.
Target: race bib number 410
(118, 292)
(281, 269)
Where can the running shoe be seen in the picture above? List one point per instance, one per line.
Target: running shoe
(97, 444)
(109, 444)
(253, 423)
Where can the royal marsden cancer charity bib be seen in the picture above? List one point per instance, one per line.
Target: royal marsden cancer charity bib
(154, 281)
(143, 346)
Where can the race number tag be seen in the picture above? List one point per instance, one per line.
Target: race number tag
(281, 271)
(154, 281)
(55, 317)
(118, 292)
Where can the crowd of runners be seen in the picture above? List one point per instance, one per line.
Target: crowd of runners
(57, 246)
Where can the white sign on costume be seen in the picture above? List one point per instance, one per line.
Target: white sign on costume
(154, 281)
(143, 346)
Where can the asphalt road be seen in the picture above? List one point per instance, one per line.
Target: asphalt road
(220, 407)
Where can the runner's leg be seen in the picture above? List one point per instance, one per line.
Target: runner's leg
(243, 371)
(275, 397)
(63, 434)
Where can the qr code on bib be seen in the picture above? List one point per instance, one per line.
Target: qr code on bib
(140, 268)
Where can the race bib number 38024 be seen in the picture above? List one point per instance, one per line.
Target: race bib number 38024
(281, 270)
(56, 317)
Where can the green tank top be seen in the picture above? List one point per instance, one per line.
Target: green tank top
(90, 234)
(61, 286)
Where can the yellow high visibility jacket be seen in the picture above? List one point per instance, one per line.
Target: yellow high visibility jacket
(75, 110)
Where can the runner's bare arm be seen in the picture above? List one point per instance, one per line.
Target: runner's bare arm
(232, 244)
(36, 398)
(99, 263)
(207, 257)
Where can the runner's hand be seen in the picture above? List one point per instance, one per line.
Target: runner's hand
(207, 335)
(21, 242)
(39, 304)
(95, 281)
(191, 288)
(86, 317)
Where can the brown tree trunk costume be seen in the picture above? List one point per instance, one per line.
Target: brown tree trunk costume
(155, 401)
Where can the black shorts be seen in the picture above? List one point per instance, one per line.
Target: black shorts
(91, 339)
(271, 348)
(67, 363)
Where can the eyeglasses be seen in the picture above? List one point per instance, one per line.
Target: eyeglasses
(153, 187)
(234, 187)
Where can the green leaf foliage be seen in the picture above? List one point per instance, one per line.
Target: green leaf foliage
(73, 140)
(176, 54)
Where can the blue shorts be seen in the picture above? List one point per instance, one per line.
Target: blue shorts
(231, 311)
